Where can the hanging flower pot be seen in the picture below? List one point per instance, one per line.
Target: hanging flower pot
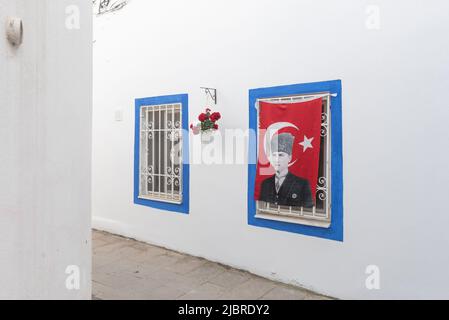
(207, 136)
(207, 125)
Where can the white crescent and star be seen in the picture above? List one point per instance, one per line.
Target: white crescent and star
(306, 144)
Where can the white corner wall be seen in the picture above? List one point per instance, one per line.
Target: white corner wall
(45, 158)
(394, 109)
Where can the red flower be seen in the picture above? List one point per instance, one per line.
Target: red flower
(215, 116)
(202, 117)
(216, 126)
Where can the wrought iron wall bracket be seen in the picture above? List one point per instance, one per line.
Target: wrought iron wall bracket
(211, 92)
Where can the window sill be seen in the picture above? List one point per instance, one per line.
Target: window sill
(160, 199)
(294, 219)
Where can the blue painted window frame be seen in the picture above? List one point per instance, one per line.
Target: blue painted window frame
(335, 231)
(152, 101)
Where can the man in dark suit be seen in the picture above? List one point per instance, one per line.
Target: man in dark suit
(284, 188)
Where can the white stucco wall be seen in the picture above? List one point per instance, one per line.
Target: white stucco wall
(394, 111)
(45, 158)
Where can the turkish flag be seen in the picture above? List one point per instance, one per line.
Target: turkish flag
(284, 127)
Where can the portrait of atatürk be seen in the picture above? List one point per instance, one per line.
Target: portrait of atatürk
(284, 188)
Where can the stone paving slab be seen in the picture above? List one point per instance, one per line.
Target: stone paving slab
(125, 269)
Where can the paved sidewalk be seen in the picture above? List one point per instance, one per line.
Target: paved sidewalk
(128, 269)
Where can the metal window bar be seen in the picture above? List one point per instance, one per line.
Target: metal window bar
(323, 212)
(160, 153)
(172, 148)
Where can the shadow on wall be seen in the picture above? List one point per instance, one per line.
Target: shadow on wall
(106, 6)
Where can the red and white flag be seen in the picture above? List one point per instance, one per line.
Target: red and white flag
(299, 125)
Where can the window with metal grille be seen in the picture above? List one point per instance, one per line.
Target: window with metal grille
(320, 214)
(161, 169)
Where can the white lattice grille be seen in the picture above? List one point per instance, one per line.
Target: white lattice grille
(320, 214)
(161, 153)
